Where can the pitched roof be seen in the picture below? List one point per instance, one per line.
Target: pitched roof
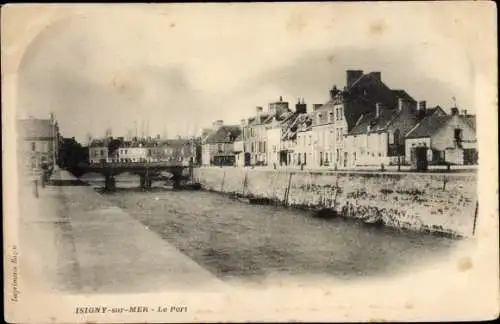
(428, 126)
(225, 134)
(403, 94)
(370, 123)
(362, 96)
(34, 128)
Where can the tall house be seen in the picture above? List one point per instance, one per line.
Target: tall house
(39, 141)
(338, 116)
(218, 147)
(255, 132)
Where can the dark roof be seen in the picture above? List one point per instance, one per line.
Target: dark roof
(225, 134)
(295, 123)
(361, 97)
(175, 142)
(370, 123)
(428, 126)
(34, 128)
(403, 94)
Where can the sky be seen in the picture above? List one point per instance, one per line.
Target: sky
(181, 67)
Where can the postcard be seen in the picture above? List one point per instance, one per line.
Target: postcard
(250, 162)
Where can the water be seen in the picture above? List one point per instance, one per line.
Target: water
(236, 240)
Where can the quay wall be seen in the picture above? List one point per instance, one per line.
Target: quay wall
(428, 202)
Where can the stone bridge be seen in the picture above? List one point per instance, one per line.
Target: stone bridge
(147, 172)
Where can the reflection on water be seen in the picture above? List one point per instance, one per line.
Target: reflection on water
(233, 239)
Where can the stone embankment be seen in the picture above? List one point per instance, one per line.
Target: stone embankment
(428, 202)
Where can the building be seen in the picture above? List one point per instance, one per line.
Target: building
(378, 137)
(254, 138)
(289, 133)
(180, 150)
(304, 144)
(450, 139)
(218, 146)
(40, 141)
(338, 116)
(281, 133)
(239, 151)
(98, 151)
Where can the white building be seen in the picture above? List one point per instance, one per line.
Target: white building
(39, 145)
(450, 138)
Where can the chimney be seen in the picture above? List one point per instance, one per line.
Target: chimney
(400, 104)
(258, 111)
(454, 111)
(464, 112)
(422, 105)
(301, 107)
(352, 76)
(316, 106)
(377, 75)
(243, 122)
(281, 99)
(378, 107)
(333, 92)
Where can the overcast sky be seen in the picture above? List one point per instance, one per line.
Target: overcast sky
(181, 67)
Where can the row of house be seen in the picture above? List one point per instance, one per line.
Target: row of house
(39, 140)
(137, 150)
(364, 123)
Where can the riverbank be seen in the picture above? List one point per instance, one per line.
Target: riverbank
(438, 203)
(95, 247)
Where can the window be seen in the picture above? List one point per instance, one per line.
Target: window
(33, 146)
(396, 137)
(458, 135)
(341, 115)
(391, 138)
(220, 148)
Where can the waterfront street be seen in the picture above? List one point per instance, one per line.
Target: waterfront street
(161, 240)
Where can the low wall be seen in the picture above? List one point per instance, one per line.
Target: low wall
(443, 203)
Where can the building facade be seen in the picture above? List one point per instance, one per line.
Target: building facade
(304, 145)
(39, 144)
(98, 151)
(332, 122)
(218, 147)
(379, 137)
(450, 139)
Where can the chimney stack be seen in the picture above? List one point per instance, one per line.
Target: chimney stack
(243, 122)
(258, 111)
(301, 107)
(333, 92)
(454, 111)
(400, 104)
(422, 105)
(378, 107)
(377, 75)
(352, 76)
(464, 112)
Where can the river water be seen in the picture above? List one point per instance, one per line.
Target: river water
(236, 240)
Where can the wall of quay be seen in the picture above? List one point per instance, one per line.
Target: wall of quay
(434, 203)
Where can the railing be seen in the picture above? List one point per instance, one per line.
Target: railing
(136, 164)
